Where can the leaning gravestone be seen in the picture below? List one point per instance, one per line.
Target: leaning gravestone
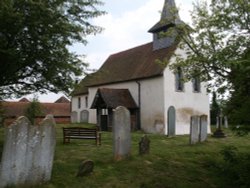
(144, 145)
(73, 117)
(203, 128)
(86, 167)
(226, 122)
(194, 130)
(121, 133)
(28, 152)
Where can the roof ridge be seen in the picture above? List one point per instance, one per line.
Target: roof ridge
(131, 49)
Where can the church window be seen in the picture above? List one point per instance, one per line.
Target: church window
(86, 102)
(196, 84)
(179, 83)
(79, 102)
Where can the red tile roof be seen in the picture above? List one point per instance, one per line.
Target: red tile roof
(133, 64)
(24, 100)
(16, 109)
(62, 99)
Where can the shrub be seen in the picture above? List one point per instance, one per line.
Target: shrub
(235, 168)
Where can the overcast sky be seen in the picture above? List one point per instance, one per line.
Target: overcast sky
(125, 26)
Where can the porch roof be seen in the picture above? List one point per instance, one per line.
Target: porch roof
(112, 98)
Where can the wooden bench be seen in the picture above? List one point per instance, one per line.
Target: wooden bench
(81, 133)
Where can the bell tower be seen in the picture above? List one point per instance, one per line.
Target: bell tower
(164, 33)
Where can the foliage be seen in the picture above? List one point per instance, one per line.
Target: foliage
(218, 42)
(217, 48)
(214, 109)
(1, 114)
(34, 40)
(239, 101)
(33, 110)
(235, 168)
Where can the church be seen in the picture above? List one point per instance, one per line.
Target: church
(157, 98)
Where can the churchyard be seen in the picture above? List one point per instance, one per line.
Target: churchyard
(171, 162)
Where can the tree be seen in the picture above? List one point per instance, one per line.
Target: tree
(217, 48)
(33, 110)
(34, 40)
(214, 109)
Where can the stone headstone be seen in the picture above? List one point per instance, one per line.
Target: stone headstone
(144, 145)
(85, 168)
(194, 129)
(73, 117)
(225, 122)
(121, 133)
(203, 128)
(171, 121)
(217, 121)
(28, 152)
(84, 116)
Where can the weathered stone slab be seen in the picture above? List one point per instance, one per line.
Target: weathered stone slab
(194, 129)
(225, 122)
(121, 133)
(85, 168)
(28, 152)
(203, 128)
(73, 117)
(144, 145)
(84, 116)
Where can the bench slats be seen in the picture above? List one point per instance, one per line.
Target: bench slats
(81, 133)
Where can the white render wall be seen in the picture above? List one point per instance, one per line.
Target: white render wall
(152, 105)
(186, 103)
(74, 105)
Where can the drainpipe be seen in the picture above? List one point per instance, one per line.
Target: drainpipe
(139, 104)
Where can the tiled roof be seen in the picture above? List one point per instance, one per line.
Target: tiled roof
(24, 100)
(112, 98)
(16, 109)
(62, 99)
(133, 64)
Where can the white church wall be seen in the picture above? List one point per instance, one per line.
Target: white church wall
(186, 102)
(152, 106)
(75, 107)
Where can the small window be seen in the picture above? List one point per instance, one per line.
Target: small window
(179, 83)
(196, 84)
(79, 102)
(86, 102)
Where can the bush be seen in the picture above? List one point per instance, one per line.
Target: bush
(235, 168)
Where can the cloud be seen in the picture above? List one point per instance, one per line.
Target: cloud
(127, 30)
(123, 32)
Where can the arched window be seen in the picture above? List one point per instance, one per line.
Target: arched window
(196, 84)
(179, 83)
(86, 102)
(79, 102)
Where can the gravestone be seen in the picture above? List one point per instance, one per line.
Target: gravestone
(121, 133)
(84, 116)
(86, 167)
(28, 152)
(225, 122)
(217, 121)
(203, 128)
(144, 145)
(194, 129)
(73, 117)
(171, 121)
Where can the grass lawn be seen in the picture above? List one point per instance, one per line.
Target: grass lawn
(172, 162)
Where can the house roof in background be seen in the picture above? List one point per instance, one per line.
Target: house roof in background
(24, 100)
(112, 98)
(133, 64)
(62, 99)
(16, 109)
